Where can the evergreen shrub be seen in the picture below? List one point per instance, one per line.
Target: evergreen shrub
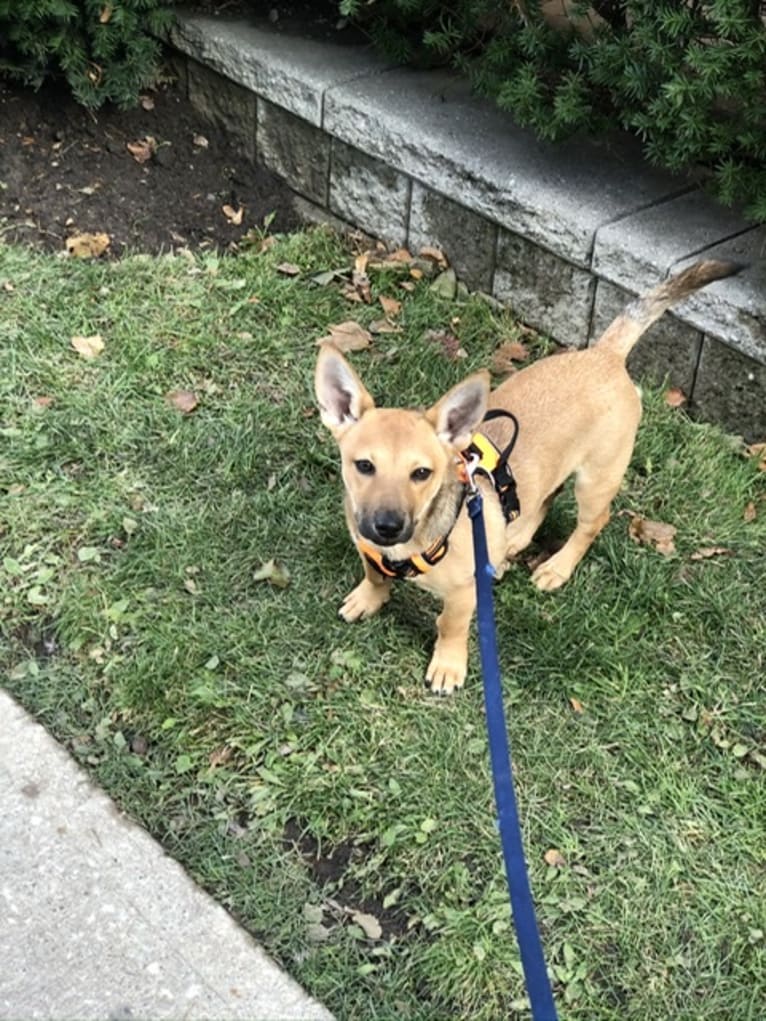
(105, 49)
(687, 76)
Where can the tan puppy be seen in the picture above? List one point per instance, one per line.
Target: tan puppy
(578, 413)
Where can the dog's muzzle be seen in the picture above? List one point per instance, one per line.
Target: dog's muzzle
(386, 527)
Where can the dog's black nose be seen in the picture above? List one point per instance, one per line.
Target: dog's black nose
(388, 525)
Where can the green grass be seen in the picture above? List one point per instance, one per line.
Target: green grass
(216, 709)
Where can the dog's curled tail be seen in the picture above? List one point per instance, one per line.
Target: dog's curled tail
(639, 315)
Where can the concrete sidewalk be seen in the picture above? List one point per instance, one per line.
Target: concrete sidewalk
(96, 922)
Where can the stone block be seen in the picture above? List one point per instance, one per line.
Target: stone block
(430, 127)
(288, 70)
(730, 389)
(640, 250)
(548, 293)
(369, 193)
(467, 239)
(669, 348)
(734, 310)
(225, 104)
(294, 149)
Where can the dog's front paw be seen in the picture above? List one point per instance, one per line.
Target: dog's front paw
(445, 674)
(365, 600)
(551, 574)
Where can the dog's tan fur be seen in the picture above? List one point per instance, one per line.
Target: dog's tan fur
(578, 414)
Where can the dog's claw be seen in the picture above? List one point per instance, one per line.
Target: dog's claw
(444, 679)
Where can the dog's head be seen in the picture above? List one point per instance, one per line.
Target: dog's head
(396, 463)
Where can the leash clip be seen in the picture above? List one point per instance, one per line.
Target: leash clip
(471, 464)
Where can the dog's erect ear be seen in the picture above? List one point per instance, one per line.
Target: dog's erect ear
(340, 393)
(456, 416)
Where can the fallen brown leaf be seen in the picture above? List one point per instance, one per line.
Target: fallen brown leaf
(88, 347)
(390, 306)
(288, 269)
(504, 357)
(87, 246)
(274, 572)
(184, 401)
(348, 336)
(384, 326)
(706, 552)
(435, 254)
(653, 533)
(142, 149)
(234, 216)
(105, 15)
(369, 924)
(399, 255)
(554, 858)
(750, 512)
(43, 402)
(675, 397)
(407, 285)
(758, 451)
(576, 705)
(448, 342)
(220, 755)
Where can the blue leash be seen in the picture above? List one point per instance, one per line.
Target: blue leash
(522, 905)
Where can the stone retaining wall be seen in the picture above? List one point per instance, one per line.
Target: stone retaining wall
(564, 234)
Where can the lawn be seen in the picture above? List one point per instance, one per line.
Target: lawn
(295, 764)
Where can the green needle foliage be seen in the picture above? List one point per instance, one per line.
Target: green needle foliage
(106, 50)
(689, 78)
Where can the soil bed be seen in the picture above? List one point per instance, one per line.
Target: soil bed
(65, 170)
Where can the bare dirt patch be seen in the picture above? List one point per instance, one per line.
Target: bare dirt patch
(65, 170)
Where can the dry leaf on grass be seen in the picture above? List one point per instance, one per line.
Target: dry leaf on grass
(436, 254)
(750, 513)
(88, 347)
(274, 572)
(448, 343)
(675, 397)
(504, 357)
(142, 149)
(184, 401)
(399, 255)
(220, 756)
(147, 103)
(234, 216)
(369, 924)
(87, 246)
(105, 15)
(390, 306)
(653, 533)
(348, 336)
(576, 705)
(757, 451)
(384, 326)
(554, 858)
(288, 269)
(706, 552)
(43, 402)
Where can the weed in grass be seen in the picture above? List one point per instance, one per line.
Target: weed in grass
(226, 713)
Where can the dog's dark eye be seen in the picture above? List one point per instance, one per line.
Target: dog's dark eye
(421, 474)
(364, 467)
